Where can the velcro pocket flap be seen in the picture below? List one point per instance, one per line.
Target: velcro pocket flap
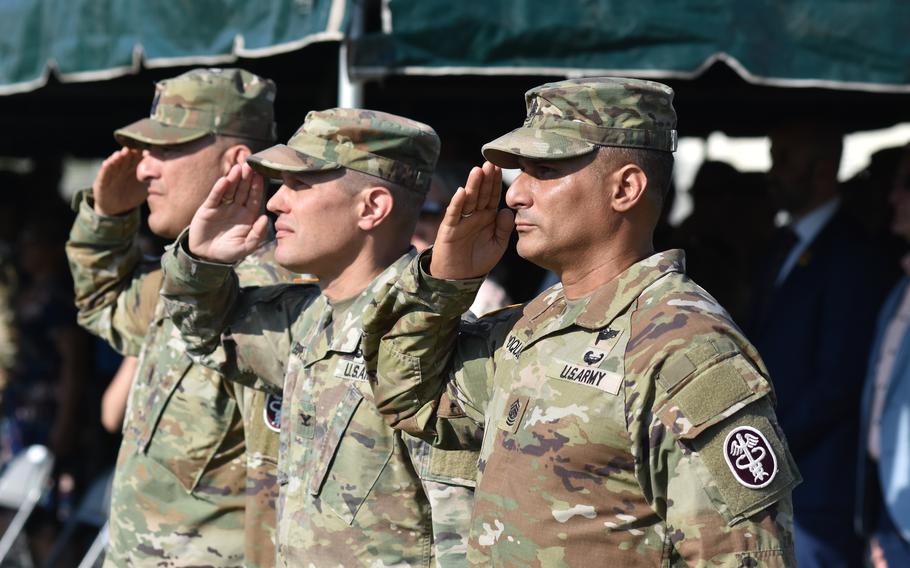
(716, 388)
(353, 452)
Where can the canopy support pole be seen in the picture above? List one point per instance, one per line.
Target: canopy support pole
(350, 92)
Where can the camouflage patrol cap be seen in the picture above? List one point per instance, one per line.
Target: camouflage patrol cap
(384, 145)
(229, 102)
(572, 118)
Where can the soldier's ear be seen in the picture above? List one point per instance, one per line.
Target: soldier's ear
(234, 154)
(629, 187)
(374, 207)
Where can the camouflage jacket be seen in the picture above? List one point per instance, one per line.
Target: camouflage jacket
(606, 420)
(8, 334)
(352, 491)
(183, 481)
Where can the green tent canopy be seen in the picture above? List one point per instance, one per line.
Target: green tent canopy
(834, 44)
(90, 40)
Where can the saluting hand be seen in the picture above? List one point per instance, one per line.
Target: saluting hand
(116, 189)
(474, 233)
(228, 226)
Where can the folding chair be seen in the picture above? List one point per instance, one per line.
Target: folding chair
(95, 554)
(93, 511)
(22, 485)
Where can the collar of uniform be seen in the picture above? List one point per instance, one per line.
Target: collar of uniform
(544, 300)
(615, 296)
(347, 338)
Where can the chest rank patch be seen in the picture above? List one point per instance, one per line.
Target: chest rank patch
(750, 457)
(351, 369)
(271, 414)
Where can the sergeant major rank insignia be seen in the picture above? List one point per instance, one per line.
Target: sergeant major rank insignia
(750, 457)
(271, 414)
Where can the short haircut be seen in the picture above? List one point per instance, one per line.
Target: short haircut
(407, 201)
(657, 165)
(255, 145)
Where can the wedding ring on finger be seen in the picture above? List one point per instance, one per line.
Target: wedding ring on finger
(466, 215)
(227, 201)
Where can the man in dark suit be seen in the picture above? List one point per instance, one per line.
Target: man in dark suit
(812, 326)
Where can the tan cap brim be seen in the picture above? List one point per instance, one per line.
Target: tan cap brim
(534, 144)
(148, 132)
(272, 162)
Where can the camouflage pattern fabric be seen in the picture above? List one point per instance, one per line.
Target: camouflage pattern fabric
(8, 334)
(202, 102)
(571, 118)
(180, 486)
(387, 146)
(607, 420)
(261, 412)
(351, 488)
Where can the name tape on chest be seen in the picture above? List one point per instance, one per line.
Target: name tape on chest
(271, 413)
(514, 346)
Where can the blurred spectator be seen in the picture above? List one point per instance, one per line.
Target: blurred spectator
(491, 295)
(813, 322)
(866, 198)
(731, 222)
(41, 405)
(43, 401)
(884, 458)
(113, 404)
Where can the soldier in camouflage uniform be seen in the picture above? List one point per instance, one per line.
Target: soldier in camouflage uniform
(351, 488)
(8, 335)
(627, 421)
(197, 463)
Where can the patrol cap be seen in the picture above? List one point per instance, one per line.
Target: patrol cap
(230, 102)
(571, 118)
(380, 144)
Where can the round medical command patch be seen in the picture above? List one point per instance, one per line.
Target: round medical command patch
(750, 457)
(271, 414)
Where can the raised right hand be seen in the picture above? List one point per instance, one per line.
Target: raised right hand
(116, 189)
(474, 233)
(228, 226)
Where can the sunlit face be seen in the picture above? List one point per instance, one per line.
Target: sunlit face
(179, 178)
(562, 211)
(316, 228)
(900, 199)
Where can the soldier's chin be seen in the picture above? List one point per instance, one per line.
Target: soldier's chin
(527, 248)
(288, 260)
(162, 225)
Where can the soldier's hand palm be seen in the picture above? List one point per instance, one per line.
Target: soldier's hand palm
(116, 189)
(228, 226)
(474, 233)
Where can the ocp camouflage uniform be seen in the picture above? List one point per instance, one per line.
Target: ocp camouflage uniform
(604, 420)
(261, 412)
(353, 492)
(181, 473)
(8, 334)
(631, 427)
(196, 464)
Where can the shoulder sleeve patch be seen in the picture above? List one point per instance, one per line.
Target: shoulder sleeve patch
(744, 463)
